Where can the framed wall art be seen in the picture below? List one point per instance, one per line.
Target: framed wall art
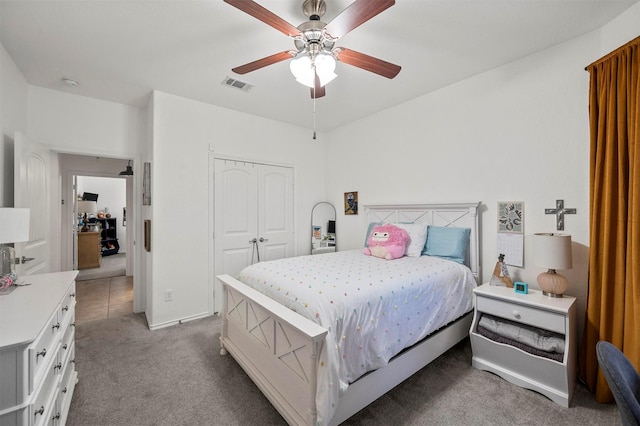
(351, 202)
(146, 185)
(147, 234)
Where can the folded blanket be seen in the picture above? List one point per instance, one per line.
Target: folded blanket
(533, 337)
(497, 338)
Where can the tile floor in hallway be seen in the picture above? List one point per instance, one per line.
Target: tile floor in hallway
(103, 298)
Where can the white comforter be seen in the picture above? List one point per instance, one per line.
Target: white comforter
(372, 308)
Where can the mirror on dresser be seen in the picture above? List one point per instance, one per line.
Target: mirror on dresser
(323, 228)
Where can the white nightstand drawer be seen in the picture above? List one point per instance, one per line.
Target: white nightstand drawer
(523, 314)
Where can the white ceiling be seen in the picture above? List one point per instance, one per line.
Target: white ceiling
(121, 50)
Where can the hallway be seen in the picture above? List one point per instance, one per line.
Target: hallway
(104, 298)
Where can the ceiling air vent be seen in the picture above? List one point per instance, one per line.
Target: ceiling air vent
(237, 84)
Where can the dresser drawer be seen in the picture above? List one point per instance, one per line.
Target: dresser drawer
(523, 314)
(42, 406)
(42, 349)
(68, 303)
(68, 381)
(67, 342)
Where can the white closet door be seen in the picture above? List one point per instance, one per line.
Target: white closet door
(251, 201)
(275, 212)
(235, 213)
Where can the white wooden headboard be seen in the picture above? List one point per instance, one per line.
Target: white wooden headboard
(458, 215)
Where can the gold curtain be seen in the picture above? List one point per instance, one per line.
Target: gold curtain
(613, 298)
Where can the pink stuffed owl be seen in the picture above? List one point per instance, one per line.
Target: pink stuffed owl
(387, 241)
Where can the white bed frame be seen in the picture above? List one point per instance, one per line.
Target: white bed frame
(279, 348)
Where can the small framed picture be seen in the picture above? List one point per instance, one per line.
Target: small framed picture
(147, 234)
(351, 202)
(146, 184)
(316, 232)
(511, 217)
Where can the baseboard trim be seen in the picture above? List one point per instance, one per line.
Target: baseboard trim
(178, 321)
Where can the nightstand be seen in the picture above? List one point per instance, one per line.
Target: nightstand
(556, 380)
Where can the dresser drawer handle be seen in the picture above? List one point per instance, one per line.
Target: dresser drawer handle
(516, 314)
(66, 308)
(40, 411)
(57, 366)
(72, 295)
(64, 390)
(56, 417)
(55, 326)
(42, 353)
(64, 346)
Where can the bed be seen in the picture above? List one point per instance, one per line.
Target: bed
(300, 365)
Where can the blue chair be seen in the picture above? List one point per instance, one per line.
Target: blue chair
(623, 380)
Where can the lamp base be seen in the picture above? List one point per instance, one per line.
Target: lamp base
(552, 283)
(7, 261)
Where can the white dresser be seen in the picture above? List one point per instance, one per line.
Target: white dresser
(556, 380)
(37, 350)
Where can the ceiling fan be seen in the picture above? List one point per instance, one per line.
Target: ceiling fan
(313, 60)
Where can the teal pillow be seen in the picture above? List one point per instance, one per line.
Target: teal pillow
(448, 243)
(371, 225)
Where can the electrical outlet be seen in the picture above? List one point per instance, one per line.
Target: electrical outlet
(168, 295)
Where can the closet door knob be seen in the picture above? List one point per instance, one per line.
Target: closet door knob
(263, 240)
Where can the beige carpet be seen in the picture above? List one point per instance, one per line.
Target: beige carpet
(110, 266)
(129, 375)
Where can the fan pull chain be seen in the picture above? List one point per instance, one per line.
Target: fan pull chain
(314, 113)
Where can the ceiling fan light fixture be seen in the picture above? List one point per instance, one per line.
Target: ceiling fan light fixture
(325, 67)
(302, 68)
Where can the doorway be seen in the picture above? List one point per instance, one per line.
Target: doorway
(95, 175)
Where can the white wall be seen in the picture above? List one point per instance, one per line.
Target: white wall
(516, 133)
(185, 134)
(96, 129)
(519, 132)
(13, 117)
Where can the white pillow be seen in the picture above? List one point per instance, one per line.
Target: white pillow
(417, 237)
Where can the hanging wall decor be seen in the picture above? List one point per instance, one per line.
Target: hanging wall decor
(351, 202)
(146, 185)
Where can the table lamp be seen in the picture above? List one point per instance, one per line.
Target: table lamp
(552, 251)
(86, 207)
(14, 228)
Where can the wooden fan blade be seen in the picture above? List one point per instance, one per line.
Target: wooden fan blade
(254, 9)
(260, 63)
(318, 91)
(368, 63)
(359, 12)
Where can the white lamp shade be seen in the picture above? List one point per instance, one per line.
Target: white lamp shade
(552, 251)
(14, 225)
(87, 206)
(325, 67)
(302, 69)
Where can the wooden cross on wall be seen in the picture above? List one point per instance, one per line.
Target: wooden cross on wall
(560, 211)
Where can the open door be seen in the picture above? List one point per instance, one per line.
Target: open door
(31, 190)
